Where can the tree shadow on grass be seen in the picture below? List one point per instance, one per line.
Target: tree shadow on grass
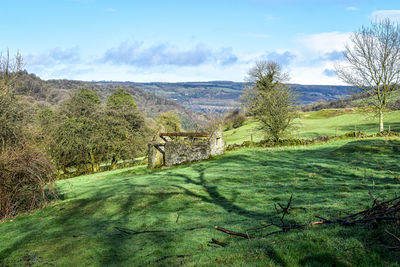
(320, 260)
(80, 222)
(359, 154)
(214, 197)
(92, 219)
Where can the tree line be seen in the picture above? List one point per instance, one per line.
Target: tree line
(40, 143)
(84, 133)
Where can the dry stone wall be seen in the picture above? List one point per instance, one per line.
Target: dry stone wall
(179, 151)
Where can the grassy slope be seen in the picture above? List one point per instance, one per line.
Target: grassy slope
(236, 190)
(323, 122)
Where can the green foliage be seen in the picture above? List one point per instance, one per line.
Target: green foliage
(11, 118)
(170, 121)
(83, 103)
(269, 100)
(120, 98)
(84, 134)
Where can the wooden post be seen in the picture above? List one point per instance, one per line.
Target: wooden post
(389, 128)
(336, 132)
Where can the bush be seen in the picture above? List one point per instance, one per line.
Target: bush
(26, 177)
(234, 120)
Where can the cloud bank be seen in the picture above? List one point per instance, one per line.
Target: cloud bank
(393, 14)
(138, 55)
(311, 62)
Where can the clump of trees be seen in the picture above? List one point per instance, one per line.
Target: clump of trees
(85, 133)
(269, 100)
(372, 63)
(78, 136)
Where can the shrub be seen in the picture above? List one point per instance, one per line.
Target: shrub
(26, 177)
(234, 119)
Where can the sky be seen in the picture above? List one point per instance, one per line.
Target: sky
(184, 40)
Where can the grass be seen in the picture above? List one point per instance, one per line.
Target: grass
(323, 122)
(236, 190)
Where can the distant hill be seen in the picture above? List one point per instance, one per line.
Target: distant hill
(53, 92)
(220, 96)
(185, 98)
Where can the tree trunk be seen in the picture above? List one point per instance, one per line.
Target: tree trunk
(381, 120)
(114, 162)
(92, 162)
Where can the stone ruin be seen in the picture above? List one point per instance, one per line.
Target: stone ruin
(169, 149)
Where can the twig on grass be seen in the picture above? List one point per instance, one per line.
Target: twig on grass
(173, 256)
(215, 241)
(380, 211)
(133, 232)
(229, 232)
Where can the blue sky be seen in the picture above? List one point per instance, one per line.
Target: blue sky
(183, 40)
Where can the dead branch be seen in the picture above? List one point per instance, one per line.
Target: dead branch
(172, 256)
(215, 241)
(229, 232)
(379, 212)
(133, 232)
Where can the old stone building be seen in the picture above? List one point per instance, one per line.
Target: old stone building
(169, 149)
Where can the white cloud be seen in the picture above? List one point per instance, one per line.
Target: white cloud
(393, 14)
(54, 56)
(314, 75)
(311, 62)
(138, 55)
(351, 8)
(326, 42)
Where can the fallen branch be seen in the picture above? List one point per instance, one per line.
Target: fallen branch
(215, 241)
(133, 232)
(229, 232)
(172, 256)
(380, 211)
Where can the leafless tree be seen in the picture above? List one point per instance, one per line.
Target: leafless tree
(372, 63)
(9, 70)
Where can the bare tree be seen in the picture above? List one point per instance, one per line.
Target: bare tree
(372, 63)
(9, 70)
(269, 100)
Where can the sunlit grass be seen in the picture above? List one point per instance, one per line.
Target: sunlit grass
(236, 190)
(319, 123)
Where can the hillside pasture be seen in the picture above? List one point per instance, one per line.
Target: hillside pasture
(137, 217)
(318, 123)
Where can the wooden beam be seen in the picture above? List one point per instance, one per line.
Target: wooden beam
(157, 146)
(185, 134)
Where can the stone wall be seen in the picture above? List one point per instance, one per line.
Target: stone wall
(180, 151)
(154, 157)
(217, 144)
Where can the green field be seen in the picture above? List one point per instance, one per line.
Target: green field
(92, 223)
(323, 122)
